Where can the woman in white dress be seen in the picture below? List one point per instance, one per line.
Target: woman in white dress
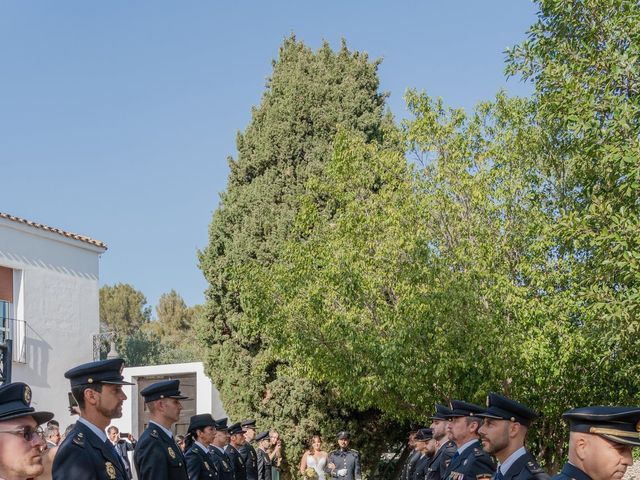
(314, 458)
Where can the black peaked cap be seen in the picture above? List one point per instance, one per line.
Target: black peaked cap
(15, 402)
(618, 424)
(163, 389)
(503, 408)
(464, 409)
(102, 371)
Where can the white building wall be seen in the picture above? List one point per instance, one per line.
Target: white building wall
(207, 401)
(56, 293)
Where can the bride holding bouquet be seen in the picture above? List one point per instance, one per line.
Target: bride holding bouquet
(313, 460)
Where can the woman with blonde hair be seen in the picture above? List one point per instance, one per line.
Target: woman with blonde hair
(314, 460)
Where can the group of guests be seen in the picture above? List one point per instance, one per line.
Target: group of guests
(91, 449)
(464, 441)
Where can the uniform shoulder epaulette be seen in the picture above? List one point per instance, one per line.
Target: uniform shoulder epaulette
(355, 451)
(478, 452)
(154, 433)
(332, 451)
(537, 471)
(78, 439)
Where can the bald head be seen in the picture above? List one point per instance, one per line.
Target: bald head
(599, 457)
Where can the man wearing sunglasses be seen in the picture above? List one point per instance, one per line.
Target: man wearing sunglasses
(86, 453)
(21, 439)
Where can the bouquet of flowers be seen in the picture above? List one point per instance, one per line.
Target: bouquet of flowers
(310, 474)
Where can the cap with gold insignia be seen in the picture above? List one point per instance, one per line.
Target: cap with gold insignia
(15, 402)
(618, 424)
(236, 428)
(262, 435)
(163, 389)
(102, 371)
(343, 435)
(441, 412)
(463, 409)
(248, 423)
(221, 424)
(503, 408)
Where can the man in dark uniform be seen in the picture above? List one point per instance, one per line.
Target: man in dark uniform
(344, 463)
(218, 450)
(469, 461)
(247, 451)
(200, 464)
(264, 461)
(157, 456)
(20, 441)
(445, 448)
(412, 457)
(86, 453)
(600, 442)
(425, 445)
(236, 441)
(503, 435)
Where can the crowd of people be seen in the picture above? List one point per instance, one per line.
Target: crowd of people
(93, 449)
(464, 440)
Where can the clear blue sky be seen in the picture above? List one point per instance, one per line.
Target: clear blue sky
(116, 117)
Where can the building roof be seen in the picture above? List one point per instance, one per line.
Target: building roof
(74, 236)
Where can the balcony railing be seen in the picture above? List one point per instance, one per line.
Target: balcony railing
(16, 330)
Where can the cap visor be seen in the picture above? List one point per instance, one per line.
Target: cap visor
(116, 382)
(624, 440)
(39, 417)
(178, 397)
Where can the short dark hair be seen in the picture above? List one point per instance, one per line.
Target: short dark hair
(78, 392)
(477, 420)
(55, 423)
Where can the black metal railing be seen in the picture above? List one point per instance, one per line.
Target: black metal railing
(16, 331)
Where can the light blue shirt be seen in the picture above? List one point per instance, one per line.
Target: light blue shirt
(204, 449)
(165, 430)
(466, 445)
(100, 433)
(504, 467)
(221, 449)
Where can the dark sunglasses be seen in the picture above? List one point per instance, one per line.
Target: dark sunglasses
(27, 432)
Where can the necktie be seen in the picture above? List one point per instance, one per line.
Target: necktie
(112, 449)
(455, 455)
(498, 475)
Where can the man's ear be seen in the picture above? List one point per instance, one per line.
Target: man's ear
(90, 396)
(581, 446)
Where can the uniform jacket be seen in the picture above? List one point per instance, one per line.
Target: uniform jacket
(264, 465)
(157, 457)
(410, 465)
(570, 472)
(200, 464)
(223, 464)
(421, 467)
(239, 468)
(345, 459)
(84, 456)
(472, 462)
(525, 468)
(440, 461)
(250, 458)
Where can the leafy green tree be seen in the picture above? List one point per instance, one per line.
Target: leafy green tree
(288, 141)
(123, 309)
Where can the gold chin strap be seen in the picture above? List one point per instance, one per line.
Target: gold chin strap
(615, 432)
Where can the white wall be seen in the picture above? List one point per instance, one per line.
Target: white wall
(207, 401)
(56, 293)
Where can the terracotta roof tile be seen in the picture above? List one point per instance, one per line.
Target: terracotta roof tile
(74, 236)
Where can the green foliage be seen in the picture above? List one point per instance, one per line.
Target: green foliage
(288, 141)
(123, 309)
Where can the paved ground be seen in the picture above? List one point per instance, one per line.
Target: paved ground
(633, 472)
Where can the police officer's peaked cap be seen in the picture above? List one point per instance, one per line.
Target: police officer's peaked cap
(248, 423)
(221, 424)
(15, 402)
(201, 421)
(424, 435)
(442, 412)
(102, 371)
(262, 436)
(503, 408)
(618, 424)
(344, 435)
(163, 389)
(236, 428)
(464, 409)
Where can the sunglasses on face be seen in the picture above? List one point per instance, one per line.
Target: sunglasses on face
(27, 432)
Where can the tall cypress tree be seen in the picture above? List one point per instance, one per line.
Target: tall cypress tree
(288, 141)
